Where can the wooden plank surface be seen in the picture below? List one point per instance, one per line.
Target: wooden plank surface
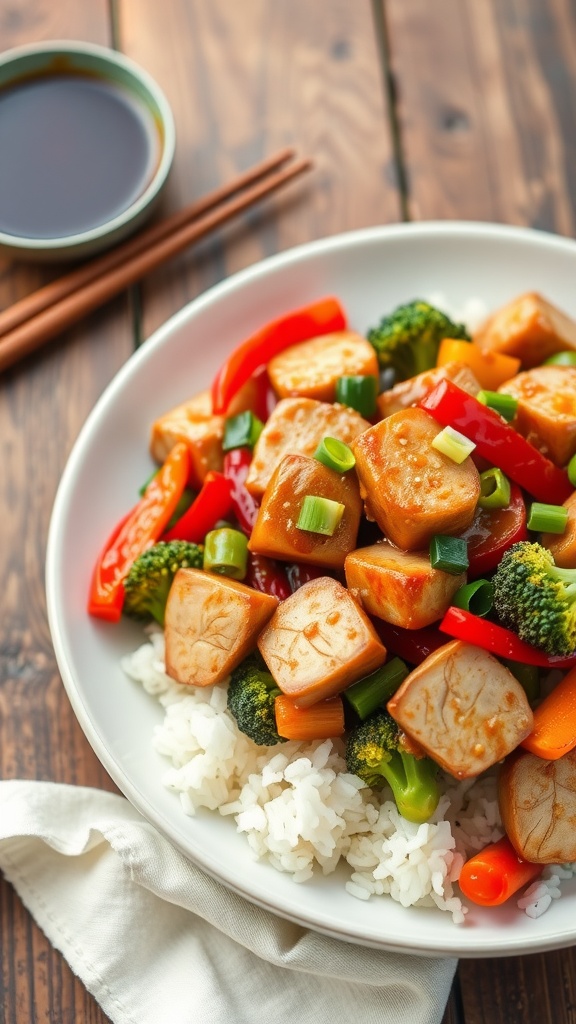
(43, 403)
(245, 80)
(485, 102)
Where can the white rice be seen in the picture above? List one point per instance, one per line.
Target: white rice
(302, 811)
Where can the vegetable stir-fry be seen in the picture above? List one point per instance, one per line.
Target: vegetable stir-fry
(374, 538)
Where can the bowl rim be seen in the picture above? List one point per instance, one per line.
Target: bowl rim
(107, 56)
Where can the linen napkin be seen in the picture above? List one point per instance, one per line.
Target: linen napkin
(157, 941)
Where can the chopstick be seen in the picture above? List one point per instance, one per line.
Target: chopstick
(39, 317)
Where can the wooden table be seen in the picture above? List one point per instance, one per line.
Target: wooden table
(412, 110)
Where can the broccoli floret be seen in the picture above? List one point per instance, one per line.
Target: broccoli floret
(251, 695)
(408, 339)
(374, 752)
(536, 598)
(149, 579)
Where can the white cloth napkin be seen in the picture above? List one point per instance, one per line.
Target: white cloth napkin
(157, 941)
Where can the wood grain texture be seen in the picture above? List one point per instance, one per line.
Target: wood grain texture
(487, 122)
(43, 403)
(245, 80)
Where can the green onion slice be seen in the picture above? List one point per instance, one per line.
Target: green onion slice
(547, 518)
(571, 468)
(241, 431)
(450, 554)
(226, 552)
(374, 690)
(335, 454)
(561, 359)
(320, 515)
(476, 597)
(494, 489)
(506, 405)
(358, 393)
(453, 444)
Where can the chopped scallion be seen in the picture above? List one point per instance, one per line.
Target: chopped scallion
(476, 597)
(226, 552)
(494, 489)
(547, 518)
(561, 359)
(572, 471)
(358, 393)
(320, 515)
(450, 554)
(453, 444)
(335, 455)
(241, 431)
(374, 690)
(506, 405)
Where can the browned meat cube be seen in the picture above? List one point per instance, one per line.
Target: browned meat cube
(311, 369)
(400, 587)
(193, 423)
(319, 641)
(529, 328)
(275, 532)
(464, 708)
(538, 806)
(409, 488)
(297, 425)
(211, 624)
(546, 414)
(409, 392)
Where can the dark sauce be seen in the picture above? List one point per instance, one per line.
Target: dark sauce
(75, 151)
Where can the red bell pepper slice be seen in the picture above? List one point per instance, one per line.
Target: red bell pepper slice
(463, 625)
(236, 465)
(142, 526)
(322, 317)
(266, 575)
(492, 532)
(497, 441)
(213, 502)
(413, 645)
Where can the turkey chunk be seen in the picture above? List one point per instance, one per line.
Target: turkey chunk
(318, 642)
(211, 624)
(409, 392)
(538, 806)
(546, 413)
(530, 328)
(412, 490)
(193, 423)
(464, 708)
(311, 368)
(298, 425)
(276, 533)
(400, 587)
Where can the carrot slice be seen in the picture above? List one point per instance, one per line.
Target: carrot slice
(493, 875)
(320, 721)
(554, 732)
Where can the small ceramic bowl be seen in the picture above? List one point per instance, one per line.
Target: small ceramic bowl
(88, 139)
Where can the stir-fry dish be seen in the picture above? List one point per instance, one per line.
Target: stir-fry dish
(356, 556)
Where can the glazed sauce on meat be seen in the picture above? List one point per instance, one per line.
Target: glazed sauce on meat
(76, 151)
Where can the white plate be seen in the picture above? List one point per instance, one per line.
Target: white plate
(370, 271)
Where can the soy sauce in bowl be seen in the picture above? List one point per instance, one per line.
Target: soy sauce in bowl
(87, 139)
(76, 152)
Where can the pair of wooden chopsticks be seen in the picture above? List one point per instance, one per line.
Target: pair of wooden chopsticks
(36, 319)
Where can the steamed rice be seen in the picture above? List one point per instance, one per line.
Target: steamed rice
(301, 810)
